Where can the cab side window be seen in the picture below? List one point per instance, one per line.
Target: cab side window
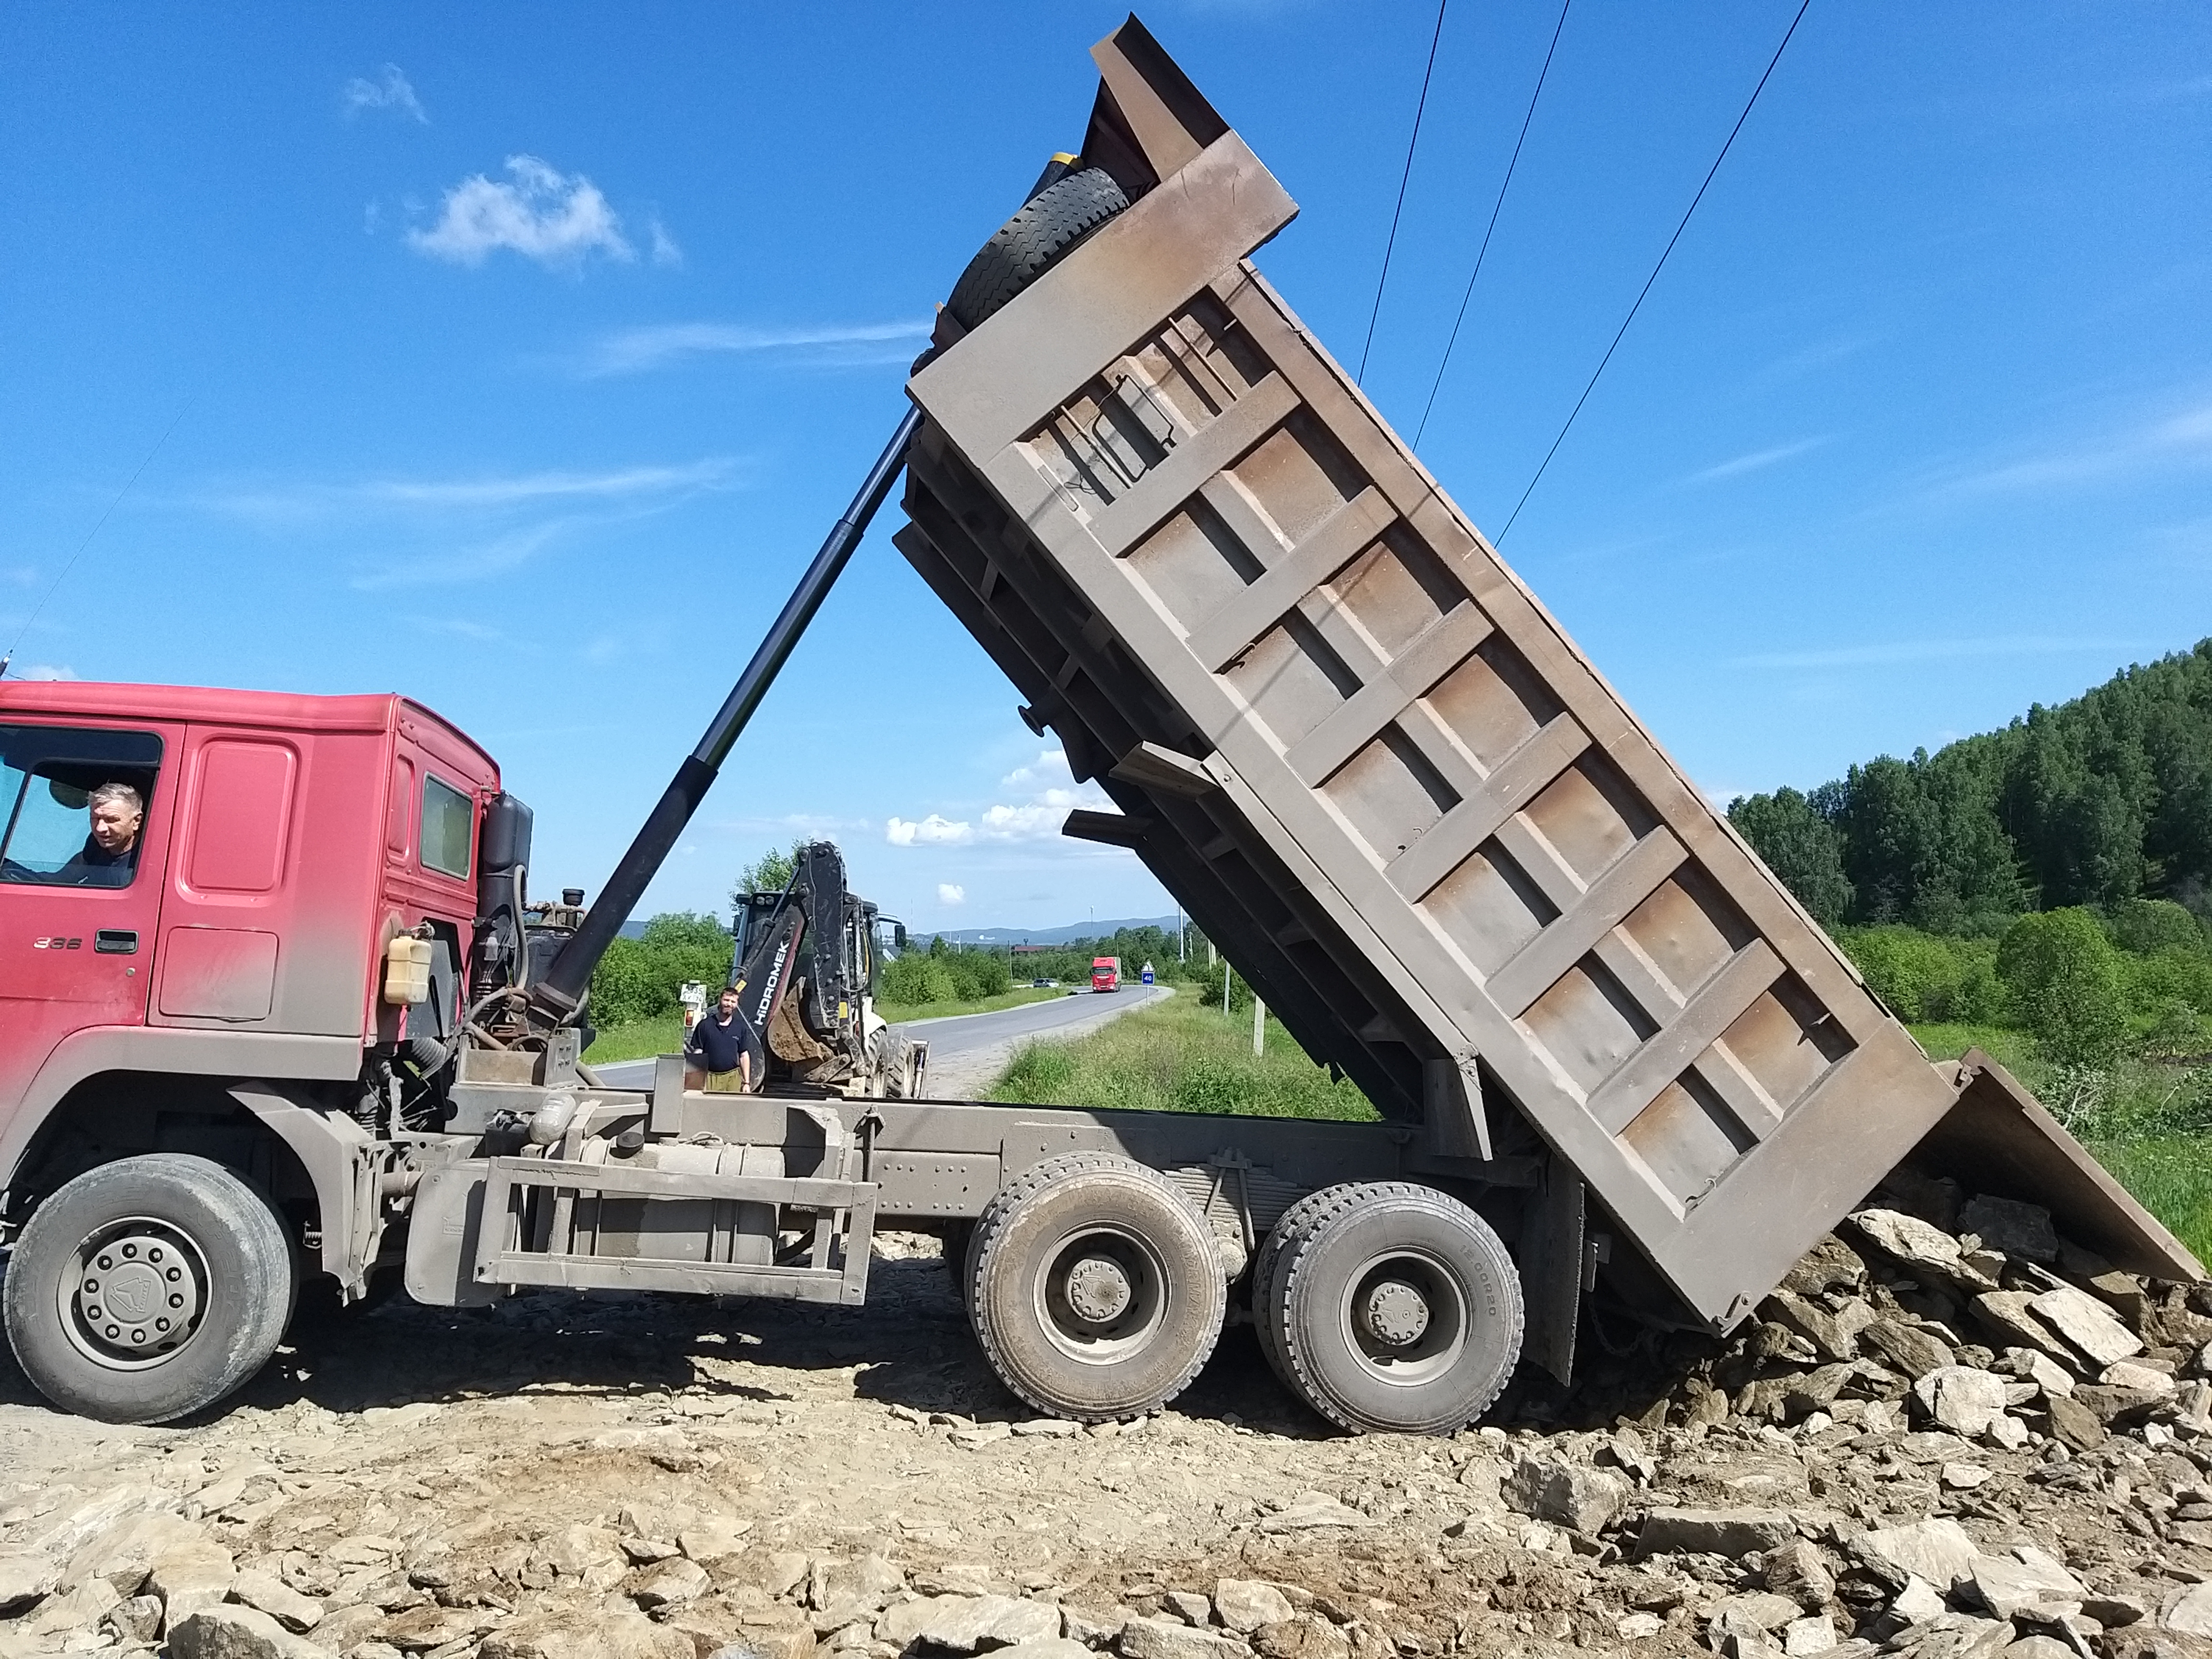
(76, 801)
(448, 827)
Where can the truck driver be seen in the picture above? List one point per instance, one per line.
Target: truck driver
(111, 851)
(722, 1045)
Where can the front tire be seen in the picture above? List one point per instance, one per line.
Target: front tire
(1095, 1287)
(1050, 227)
(147, 1288)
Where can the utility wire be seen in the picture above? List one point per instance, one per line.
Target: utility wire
(55, 584)
(1419, 108)
(1494, 208)
(1655, 269)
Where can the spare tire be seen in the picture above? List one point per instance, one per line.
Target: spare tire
(1053, 221)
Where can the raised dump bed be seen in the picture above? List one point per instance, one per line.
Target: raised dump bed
(1370, 763)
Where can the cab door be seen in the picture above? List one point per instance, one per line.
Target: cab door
(76, 943)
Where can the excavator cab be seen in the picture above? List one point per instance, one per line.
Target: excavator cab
(805, 967)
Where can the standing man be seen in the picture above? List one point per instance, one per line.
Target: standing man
(720, 1044)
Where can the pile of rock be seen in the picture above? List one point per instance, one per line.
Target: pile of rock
(1971, 1315)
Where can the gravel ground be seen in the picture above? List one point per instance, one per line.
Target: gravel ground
(623, 1476)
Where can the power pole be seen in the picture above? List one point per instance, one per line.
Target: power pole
(1259, 1026)
(1224, 989)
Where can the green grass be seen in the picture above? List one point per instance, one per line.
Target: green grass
(2172, 1176)
(640, 1041)
(647, 1037)
(1180, 1055)
(2013, 1049)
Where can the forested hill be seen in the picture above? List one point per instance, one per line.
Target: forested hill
(2100, 800)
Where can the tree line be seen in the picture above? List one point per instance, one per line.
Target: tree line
(2091, 802)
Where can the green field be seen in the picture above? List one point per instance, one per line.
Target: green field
(1180, 1055)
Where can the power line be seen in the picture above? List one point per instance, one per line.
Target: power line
(55, 584)
(1805, 6)
(1419, 109)
(1494, 208)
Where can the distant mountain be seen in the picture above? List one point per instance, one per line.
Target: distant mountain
(1047, 935)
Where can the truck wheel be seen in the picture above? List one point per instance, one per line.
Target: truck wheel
(1267, 1271)
(1053, 221)
(147, 1288)
(1398, 1310)
(1095, 1287)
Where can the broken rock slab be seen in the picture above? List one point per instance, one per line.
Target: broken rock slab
(1245, 1604)
(238, 1632)
(1310, 1509)
(968, 1624)
(1168, 1638)
(2086, 1323)
(1566, 1494)
(1907, 1346)
(2026, 1582)
(1733, 1533)
(23, 1579)
(1799, 1571)
(1938, 1551)
(1962, 1399)
(2022, 1230)
(1920, 1248)
(265, 1592)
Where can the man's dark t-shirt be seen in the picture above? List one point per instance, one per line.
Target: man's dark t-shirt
(96, 866)
(718, 1046)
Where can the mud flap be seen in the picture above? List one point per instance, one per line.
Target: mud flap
(1998, 1140)
(1550, 1258)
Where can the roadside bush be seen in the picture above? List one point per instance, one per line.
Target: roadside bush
(638, 978)
(1926, 979)
(2066, 985)
(918, 977)
(977, 974)
(2148, 926)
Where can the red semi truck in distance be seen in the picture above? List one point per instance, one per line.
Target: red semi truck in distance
(1106, 973)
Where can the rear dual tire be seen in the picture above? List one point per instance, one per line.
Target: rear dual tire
(1095, 1287)
(1388, 1306)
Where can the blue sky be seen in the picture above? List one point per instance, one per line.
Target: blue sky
(518, 358)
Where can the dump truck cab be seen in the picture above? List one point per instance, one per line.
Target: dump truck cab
(286, 842)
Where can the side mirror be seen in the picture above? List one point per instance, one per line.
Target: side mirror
(898, 934)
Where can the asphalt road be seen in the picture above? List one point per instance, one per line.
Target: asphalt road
(976, 1037)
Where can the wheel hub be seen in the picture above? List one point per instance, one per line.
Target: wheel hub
(136, 1295)
(1098, 1290)
(1396, 1314)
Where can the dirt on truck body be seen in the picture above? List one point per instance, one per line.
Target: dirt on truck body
(327, 1039)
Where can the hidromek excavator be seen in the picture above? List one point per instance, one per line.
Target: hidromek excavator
(320, 1033)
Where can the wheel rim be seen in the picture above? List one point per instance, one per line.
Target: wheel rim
(1101, 1296)
(133, 1293)
(1405, 1317)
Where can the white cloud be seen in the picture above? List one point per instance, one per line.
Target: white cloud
(481, 494)
(47, 670)
(949, 894)
(633, 350)
(543, 214)
(2181, 439)
(1038, 816)
(1049, 763)
(932, 832)
(1757, 460)
(1905, 650)
(665, 250)
(389, 90)
(495, 557)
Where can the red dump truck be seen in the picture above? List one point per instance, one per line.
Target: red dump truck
(304, 1027)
